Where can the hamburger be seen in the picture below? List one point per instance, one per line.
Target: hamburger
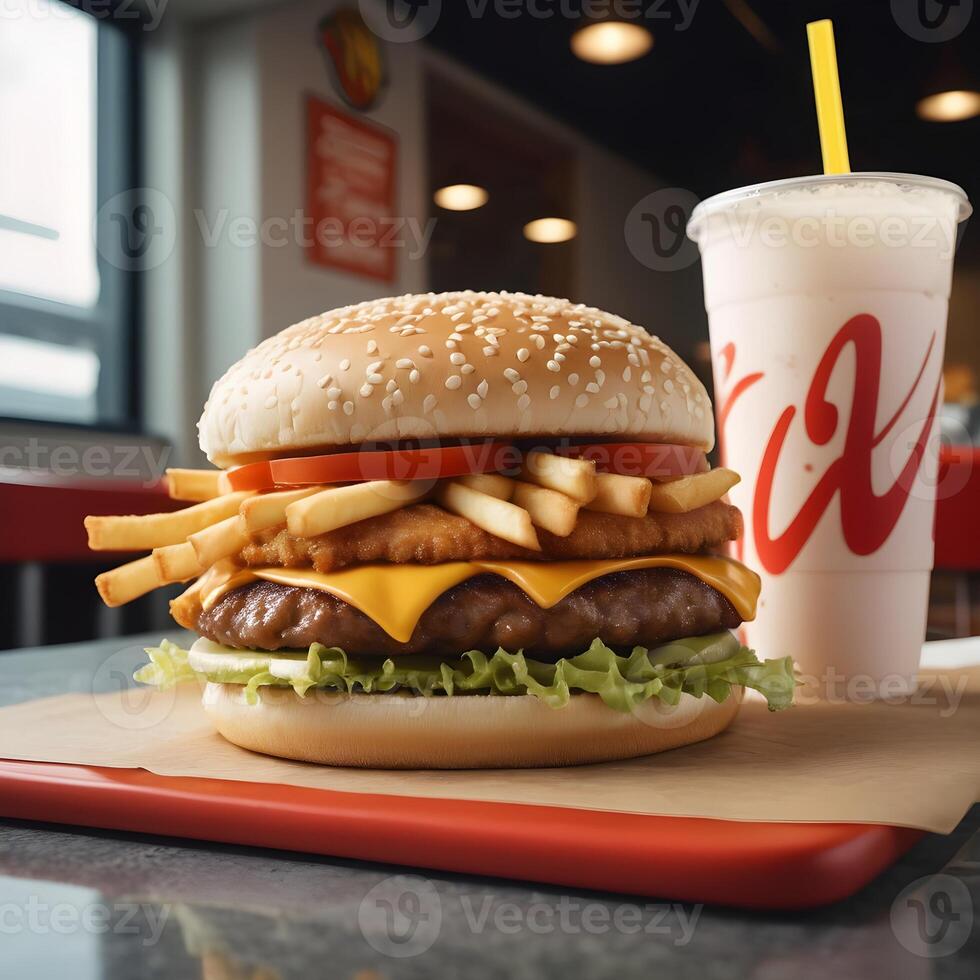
(453, 531)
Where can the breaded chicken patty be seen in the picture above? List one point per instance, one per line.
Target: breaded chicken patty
(426, 534)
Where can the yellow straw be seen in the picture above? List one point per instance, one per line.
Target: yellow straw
(826, 90)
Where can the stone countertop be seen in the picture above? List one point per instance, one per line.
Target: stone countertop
(90, 904)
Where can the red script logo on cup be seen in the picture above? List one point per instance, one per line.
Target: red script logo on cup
(867, 518)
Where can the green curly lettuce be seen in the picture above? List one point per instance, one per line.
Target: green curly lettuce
(707, 665)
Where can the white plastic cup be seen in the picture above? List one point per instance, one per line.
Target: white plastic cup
(827, 300)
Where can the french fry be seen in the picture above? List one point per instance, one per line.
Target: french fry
(177, 562)
(143, 533)
(574, 477)
(691, 492)
(339, 506)
(197, 485)
(553, 511)
(617, 494)
(269, 509)
(221, 540)
(129, 581)
(501, 518)
(493, 484)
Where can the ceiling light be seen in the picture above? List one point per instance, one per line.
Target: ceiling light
(461, 197)
(550, 230)
(611, 42)
(949, 106)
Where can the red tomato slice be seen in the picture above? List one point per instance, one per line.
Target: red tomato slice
(658, 461)
(397, 464)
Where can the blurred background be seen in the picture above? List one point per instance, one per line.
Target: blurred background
(180, 179)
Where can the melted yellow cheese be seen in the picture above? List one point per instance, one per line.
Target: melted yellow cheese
(396, 596)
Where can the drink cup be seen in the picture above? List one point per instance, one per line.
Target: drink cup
(827, 300)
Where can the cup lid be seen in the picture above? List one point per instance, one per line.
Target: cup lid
(726, 199)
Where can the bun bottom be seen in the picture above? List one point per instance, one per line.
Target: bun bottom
(392, 731)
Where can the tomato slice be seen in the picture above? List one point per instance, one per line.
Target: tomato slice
(396, 464)
(658, 461)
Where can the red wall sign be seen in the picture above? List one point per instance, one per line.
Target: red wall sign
(351, 167)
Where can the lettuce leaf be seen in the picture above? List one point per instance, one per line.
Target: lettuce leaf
(706, 665)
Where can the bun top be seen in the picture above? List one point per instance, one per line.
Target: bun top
(453, 366)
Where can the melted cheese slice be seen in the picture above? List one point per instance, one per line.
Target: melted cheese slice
(396, 596)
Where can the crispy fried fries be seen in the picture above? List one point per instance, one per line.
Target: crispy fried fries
(269, 509)
(129, 581)
(553, 511)
(574, 477)
(221, 540)
(627, 495)
(494, 484)
(177, 562)
(158, 530)
(691, 492)
(499, 517)
(197, 485)
(340, 506)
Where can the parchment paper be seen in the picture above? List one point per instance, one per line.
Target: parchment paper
(914, 764)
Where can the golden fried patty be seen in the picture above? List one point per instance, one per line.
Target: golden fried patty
(427, 535)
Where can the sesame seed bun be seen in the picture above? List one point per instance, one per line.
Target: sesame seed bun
(388, 731)
(453, 366)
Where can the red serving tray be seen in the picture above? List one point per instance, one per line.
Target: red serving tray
(749, 865)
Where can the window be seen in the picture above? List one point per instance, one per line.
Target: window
(65, 150)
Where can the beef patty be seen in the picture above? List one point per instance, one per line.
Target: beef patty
(642, 607)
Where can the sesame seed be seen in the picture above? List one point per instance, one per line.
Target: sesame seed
(511, 374)
(397, 397)
(345, 364)
(425, 350)
(456, 336)
(523, 402)
(374, 379)
(334, 392)
(404, 363)
(413, 376)
(553, 366)
(538, 341)
(592, 387)
(559, 357)
(453, 382)
(467, 369)
(372, 347)
(554, 392)
(429, 403)
(374, 366)
(271, 401)
(519, 387)
(482, 388)
(665, 366)
(627, 374)
(573, 379)
(457, 358)
(489, 351)
(391, 385)
(523, 354)
(332, 406)
(609, 403)
(594, 361)
(348, 408)
(668, 386)
(581, 401)
(473, 401)
(366, 390)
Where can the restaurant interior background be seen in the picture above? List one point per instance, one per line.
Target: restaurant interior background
(160, 163)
